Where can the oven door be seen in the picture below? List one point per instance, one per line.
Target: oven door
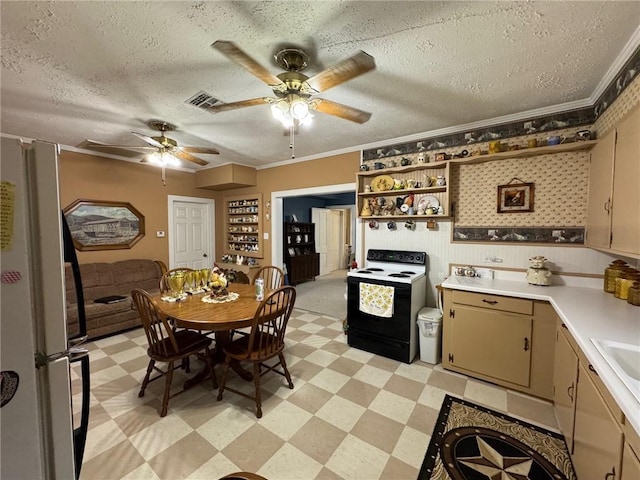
(397, 326)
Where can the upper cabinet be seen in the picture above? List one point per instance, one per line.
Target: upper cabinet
(243, 225)
(614, 197)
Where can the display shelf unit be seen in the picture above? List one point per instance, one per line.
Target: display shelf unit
(301, 259)
(424, 174)
(243, 225)
(421, 171)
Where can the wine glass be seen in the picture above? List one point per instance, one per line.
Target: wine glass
(205, 272)
(176, 284)
(189, 277)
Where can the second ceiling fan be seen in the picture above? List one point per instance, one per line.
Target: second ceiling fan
(293, 91)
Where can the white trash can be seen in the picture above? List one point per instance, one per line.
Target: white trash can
(430, 332)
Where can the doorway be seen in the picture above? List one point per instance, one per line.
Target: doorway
(191, 232)
(277, 219)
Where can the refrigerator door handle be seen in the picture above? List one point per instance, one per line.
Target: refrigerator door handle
(74, 342)
(73, 353)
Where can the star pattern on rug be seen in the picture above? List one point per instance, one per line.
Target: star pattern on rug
(496, 466)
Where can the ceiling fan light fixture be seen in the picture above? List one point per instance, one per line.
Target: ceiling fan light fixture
(163, 159)
(299, 108)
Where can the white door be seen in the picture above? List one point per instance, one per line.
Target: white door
(319, 217)
(328, 238)
(191, 237)
(335, 244)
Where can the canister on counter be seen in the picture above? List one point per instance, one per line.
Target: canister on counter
(634, 294)
(611, 273)
(624, 282)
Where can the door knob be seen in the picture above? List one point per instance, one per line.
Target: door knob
(204, 255)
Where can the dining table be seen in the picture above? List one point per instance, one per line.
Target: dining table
(221, 317)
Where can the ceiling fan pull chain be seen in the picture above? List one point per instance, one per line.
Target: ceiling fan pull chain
(164, 183)
(292, 140)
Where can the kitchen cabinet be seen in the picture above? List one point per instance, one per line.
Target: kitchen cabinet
(597, 437)
(429, 193)
(243, 225)
(565, 379)
(630, 465)
(301, 259)
(504, 340)
(614, 199)
(630, 454)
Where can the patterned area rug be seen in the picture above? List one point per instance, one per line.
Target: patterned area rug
(475, 443)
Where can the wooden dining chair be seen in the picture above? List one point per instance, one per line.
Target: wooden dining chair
(264, 342)
(243, 476)
(273, 277)
(167, 345)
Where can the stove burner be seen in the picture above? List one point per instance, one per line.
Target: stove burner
(364, 271)
(408, 272)
(375, 269)
(399, 275)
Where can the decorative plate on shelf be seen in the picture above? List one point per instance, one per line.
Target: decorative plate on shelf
(381, 183)
(428, 201)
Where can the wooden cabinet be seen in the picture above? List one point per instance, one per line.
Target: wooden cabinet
(301, 259)
(565, 379)
(630, 454)
(243, 225)
(614, 198)
(587, 414)
(505, 340)
(429, 193)
(597, 437)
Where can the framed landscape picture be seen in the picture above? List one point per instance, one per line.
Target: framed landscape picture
(104, 225)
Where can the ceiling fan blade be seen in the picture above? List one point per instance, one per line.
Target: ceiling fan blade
(149, 140)
(188, 157)
(342, 71)
(239, 56)
(94, 145)
(209, 151)
(222, 107)
(340, 110)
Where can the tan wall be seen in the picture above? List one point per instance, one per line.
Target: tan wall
(95, 178)
(332, 170)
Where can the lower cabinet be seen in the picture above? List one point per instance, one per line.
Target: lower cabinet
(565, 380)
(303, 267)
(597, 437)
(630, 464)
(504, 340)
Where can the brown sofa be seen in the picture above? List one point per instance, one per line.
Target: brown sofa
(101, 280)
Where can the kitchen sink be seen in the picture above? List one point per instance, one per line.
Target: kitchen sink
(624, 359)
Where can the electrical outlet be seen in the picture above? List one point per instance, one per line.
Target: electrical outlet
(493, 259)
(265, 235)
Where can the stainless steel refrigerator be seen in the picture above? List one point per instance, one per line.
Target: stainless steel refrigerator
(38, 437)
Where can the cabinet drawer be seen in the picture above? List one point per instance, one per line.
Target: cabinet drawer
(495, 302)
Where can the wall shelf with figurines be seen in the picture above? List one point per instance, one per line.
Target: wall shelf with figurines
(418, 191)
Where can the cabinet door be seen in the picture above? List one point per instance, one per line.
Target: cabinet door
(625, 227)
(492, 343)
(565, 376)
(630, 465)
(597, 440)
(600, 184)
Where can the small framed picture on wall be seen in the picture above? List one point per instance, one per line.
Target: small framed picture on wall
(515, 197)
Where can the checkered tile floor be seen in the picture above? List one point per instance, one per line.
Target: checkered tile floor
(351, 415)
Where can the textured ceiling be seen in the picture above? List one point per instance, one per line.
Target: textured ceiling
(98, 70)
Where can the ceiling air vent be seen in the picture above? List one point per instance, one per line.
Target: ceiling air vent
(202, 100)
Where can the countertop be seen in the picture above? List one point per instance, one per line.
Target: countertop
(588, 313)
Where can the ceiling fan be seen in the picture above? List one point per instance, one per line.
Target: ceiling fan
(294, 92)
(161, 148)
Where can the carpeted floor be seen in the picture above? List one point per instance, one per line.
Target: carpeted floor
(325, 295)
(470, 441)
